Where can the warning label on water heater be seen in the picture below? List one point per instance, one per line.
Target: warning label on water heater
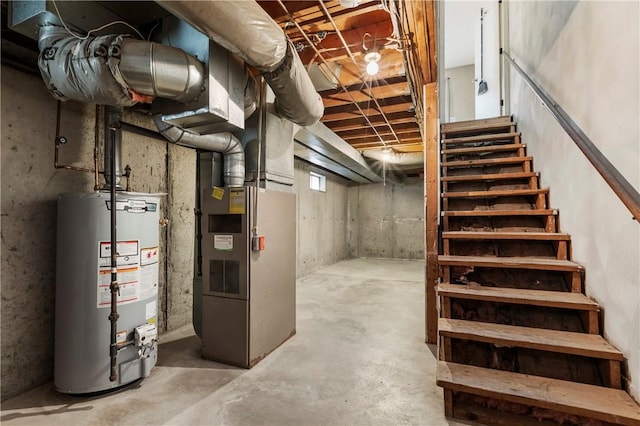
(137, 279)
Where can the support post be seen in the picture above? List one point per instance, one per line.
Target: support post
(432, 204)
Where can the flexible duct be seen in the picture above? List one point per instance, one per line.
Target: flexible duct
(115, 70)
(225, 143)
(245, 29)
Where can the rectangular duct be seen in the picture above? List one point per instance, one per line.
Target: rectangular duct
(220, 107)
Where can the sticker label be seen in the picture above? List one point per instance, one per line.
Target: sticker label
(151, 310)
(128, 272)
(121, 337)
(149, 272)
(223, 242)
(217, 193)
(236, 201)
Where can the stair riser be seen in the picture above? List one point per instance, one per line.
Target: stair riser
(506, 248)
(532, 202)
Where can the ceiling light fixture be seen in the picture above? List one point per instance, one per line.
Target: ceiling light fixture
(372, 56)
(372, 59)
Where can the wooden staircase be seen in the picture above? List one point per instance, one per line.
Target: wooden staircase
(519, 342)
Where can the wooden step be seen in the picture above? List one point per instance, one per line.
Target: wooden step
(480, 138)
(494, 194)
(538, 263)
(595, 402)
(483, 213)
(483, 149)
(490, 177)
(487, 162)
(499, 235)
(582, 344)
(477, 125)
(515, 262)
(549, 299)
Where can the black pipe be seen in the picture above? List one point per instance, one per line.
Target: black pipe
(113, 116)
(142, 131)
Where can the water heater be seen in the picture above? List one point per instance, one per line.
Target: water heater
(83, 272)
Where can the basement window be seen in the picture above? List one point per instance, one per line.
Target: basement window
(317, 182)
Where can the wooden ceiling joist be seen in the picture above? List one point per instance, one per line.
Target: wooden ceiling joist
(358, 132)
(386, 137)
(358, 122)
(386, 102)
(359, 86)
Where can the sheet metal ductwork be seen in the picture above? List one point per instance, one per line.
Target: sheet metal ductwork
(245, 29)
(114, 69)
(225, 143)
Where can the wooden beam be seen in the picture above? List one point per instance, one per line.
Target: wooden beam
(432, 204)
(386, 136)
(390, 143)
(313, 21)
(381, 92)
(384, 102)
(358, 87)
(366, 131)
(332, 48)
(358, 122)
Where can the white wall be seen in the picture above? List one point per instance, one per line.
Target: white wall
(585, 55)
(488, 104)
(460, 94)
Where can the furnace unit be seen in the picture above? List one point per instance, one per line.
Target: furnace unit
(248, 282)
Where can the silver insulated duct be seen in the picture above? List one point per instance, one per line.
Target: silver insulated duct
(244, 28)
(225, 143)
(115, 70)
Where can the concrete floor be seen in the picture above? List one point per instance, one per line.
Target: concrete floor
(358, 358)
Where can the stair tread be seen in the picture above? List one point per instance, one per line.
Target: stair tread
(583, 344)
(487, 148)
(487, 162)
(502, 235)
(551, 299)
(479, 138)
(471, 125)
(511, 262)
(495, 193)
(490, 176)
(516, 212)
(607, 404)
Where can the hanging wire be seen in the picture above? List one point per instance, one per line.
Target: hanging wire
(95, 29)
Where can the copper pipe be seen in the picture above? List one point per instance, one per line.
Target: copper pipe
(353, 59)
(334, 75)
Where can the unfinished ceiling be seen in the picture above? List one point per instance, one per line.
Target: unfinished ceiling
(332, 38)
(367, 111)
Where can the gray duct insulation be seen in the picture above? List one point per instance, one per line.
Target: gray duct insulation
(406, 159)
(226, 143)
(109, 69)
(244, 28)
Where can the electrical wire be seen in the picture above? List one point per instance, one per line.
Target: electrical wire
(95, 29)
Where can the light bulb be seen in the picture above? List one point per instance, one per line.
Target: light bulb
(372, 68)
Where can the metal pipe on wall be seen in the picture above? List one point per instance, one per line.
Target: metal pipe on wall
(113, 133)
(112, 146)
(225, 143)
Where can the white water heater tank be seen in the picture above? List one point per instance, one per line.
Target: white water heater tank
(83, 277)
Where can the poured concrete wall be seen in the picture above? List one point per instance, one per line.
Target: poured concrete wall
(322, 220)
(30, 186)
(585, 55)
(387, 221)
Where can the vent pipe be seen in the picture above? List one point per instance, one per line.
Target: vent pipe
(225, 143)
(244, 28)
(112, 145)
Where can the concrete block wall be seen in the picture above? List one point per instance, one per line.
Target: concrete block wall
(29, 189)
(387, 221)
(322, 220)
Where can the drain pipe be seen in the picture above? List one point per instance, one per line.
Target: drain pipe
(113, 133)
(244, 28)
(225, 143)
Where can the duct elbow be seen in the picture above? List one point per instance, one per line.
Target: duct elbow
(296, 98)
(225, 143)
